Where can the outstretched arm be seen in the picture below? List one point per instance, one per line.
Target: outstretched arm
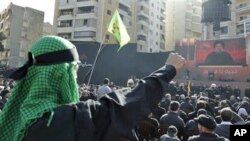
(119, 112)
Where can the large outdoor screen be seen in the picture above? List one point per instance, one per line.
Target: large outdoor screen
(228, 52)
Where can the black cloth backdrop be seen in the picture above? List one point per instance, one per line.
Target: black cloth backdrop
(117, 66)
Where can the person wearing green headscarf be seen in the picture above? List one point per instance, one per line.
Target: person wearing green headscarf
(44, 104)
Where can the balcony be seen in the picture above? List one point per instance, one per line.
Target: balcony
(243, 8)
(143, 22)
(87, 3)
(65, 35)
(66, 6)
(144, 3)
(86, 16)
(86, 28)
(240, 29)
(142, 32)
(142, 13)
(66, 12)
(141, 38)
(124, 5)
(196, 27)
(64, 29)
(243, 21)
(86, 10)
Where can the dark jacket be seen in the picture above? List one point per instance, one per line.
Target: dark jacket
(109, 119)
(223, 130)
(172, 119)
(207, 137)
(148, 129)
(187, 107)
(222, 58)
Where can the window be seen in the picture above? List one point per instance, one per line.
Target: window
(65, 35)
(142, 27)
(162, 37)
(65, 23)
(67, 1)
(243, 18)
(141, 7)
(130, 23)
(86, 9)
(109, 12)
(85, 22)
(248, 27)
(107, 37)
(84, 34)
(140, 47)
(150, 50)
(224, 30)
(141, 37)
(152, 5)
(156, 43)
(66, 12)
(161, 27)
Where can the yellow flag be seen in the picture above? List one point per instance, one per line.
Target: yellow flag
(189, 88)
(118, 29)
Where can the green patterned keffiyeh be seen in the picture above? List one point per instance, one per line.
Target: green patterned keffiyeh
(44, 88)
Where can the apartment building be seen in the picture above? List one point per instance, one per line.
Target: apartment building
(22, 26)
(242, 18)
(183, 21)
(151, 25)
(239, 25)
(47, 29)
(88, 20)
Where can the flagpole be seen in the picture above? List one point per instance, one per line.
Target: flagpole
(93, 67)
(116, 27)
(99, 50)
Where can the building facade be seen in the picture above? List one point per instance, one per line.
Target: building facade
(242, 17)
(22, 26)
(151, 25)
(47, 29)
(183, 21)
(88, 20)
(239, 26)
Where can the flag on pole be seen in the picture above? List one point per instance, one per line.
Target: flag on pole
(118, 29)
(189, 88)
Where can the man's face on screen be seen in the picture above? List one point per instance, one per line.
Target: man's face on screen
(218, 48)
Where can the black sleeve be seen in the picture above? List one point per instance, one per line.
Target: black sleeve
(118, 112)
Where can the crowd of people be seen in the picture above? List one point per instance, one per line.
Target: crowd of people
(47, 104)
(178, 114)
(214, 108)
